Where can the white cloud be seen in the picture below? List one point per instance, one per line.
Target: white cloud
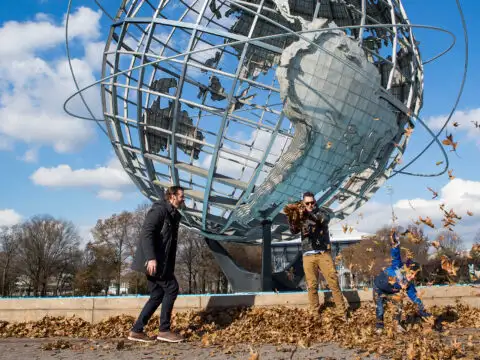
(465, 120)
(85, 233)
(30, 156)
(94, 54)
(9, 217)
(458, 194)
(32, 89)
(84, 23)
(107, 177)
(5, 143)
(22, 39)
(113, 195)
(110, 181)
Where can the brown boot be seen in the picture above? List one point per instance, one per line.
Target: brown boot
(140, 337)
(169, 336)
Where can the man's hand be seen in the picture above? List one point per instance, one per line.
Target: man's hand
(151, 267)
(394, 238)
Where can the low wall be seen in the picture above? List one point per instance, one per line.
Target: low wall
(95, 309)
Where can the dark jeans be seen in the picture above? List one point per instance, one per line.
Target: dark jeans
(380, 299)
(161, 292)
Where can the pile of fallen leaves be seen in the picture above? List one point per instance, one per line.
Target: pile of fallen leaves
(460, 335)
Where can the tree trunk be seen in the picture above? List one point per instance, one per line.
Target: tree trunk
(4, 277)
(118, 279)
(189, 280)
(43, 291)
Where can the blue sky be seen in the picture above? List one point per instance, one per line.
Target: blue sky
(54, 164)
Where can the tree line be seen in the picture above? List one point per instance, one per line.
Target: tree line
(45, 256)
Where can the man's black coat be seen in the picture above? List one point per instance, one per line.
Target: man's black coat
(158, 240)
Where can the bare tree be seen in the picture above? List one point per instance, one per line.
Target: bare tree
(475, 250)
(188, 258)
(138, 218)
(450, 244)
(97, 270)
(66, 270)
(46, 243)
(197, 270)
(116, 233)
(9, 242)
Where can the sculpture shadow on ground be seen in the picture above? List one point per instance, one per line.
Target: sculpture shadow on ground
(223, 310)
(448, 315)
(351, 296)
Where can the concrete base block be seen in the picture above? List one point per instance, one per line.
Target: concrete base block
(96, 309)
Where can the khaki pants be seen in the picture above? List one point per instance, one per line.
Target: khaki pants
(324, 263)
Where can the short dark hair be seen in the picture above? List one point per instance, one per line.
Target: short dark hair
(172, 190)
(308, 194)
(413, 265)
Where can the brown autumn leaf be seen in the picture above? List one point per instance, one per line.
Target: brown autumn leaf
(449, 142)
(345, 228)
(329, 145)
(427, 221)
(435, 244)
(370, 266)
(254, 355)
(291, 273)
(392, 280)
(439, 163)
(448, 265)
(257, 325)
(452, 214)
(434, 193)
(338, 259)
(408, 131)
(450, 175)
(469, 213)
(295, 213)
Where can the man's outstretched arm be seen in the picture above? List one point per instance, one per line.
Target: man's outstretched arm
(412, 294)
(395, 251)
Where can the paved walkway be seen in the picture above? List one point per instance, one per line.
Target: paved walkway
(83, 349)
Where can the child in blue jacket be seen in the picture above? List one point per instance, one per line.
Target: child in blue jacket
(393, 280)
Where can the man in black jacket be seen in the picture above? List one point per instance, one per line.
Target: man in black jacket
(155, 256)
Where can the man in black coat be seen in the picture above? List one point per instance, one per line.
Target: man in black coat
(155, 256)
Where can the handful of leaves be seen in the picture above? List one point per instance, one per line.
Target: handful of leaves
(295, 213)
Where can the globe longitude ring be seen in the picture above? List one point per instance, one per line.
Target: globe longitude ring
(249, 104)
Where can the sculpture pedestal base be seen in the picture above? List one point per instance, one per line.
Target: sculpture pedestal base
(242, 280)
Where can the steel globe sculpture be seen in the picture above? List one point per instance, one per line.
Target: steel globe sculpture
(248, 104)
